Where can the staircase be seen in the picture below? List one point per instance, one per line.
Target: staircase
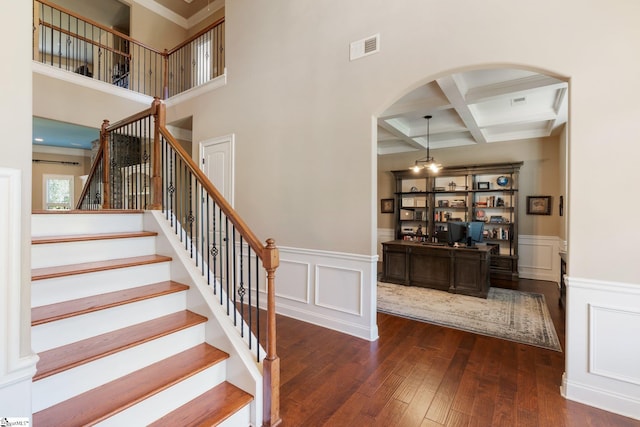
(116, 340)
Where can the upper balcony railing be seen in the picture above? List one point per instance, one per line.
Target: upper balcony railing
(65, 40)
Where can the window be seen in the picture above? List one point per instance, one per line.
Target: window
(58, 191)
(202, 61)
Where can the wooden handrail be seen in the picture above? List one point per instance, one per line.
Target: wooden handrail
(268, 253)
(270, 260)
(84, 39)
(151, 111)
(97, 24)
(164, 54)
(92, 172)
(224, 206)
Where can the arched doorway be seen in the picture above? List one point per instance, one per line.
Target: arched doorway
(484, 116)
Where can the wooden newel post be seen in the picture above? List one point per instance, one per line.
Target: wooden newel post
(165, 86)
(271, 363)
(106, 165)
(156, 173)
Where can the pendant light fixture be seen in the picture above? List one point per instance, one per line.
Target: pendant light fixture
(426, 162)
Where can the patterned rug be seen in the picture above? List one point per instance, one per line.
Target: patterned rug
(517, 316)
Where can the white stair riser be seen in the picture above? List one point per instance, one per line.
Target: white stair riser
(241, 418)
(65, 385)
(157, 406)
(65, 224)
(65, 331)
(54, 254)
(58, 289)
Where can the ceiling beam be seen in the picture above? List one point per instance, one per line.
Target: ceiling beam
(452, 86)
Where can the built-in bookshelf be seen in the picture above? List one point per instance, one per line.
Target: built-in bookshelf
(427, 203)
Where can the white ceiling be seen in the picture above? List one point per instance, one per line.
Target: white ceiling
(185, 8)
(474, 107)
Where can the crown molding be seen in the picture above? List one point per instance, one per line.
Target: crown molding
(177, 19)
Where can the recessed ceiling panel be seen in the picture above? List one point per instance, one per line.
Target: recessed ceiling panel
(60, 134)
(531, 106)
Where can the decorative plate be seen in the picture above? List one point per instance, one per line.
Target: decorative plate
(415, 189)
(502, 181)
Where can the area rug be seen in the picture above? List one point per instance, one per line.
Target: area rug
(512, 315)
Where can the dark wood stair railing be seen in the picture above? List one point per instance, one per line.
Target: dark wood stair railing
(217, 238)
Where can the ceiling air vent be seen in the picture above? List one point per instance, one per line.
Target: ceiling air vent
(521, 100)
(364, 47)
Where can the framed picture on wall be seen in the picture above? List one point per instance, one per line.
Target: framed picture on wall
(386, 205)
(538, 205)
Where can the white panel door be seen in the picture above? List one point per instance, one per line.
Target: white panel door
(216, 160)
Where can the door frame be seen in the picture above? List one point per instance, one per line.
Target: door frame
(225, 139)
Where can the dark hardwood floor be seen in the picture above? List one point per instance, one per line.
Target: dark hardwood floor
(419, 374)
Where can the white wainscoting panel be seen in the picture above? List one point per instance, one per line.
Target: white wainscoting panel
(330, 289)
(538, 257)
(384, 235)
(289, 277)
(605, 357)
(603, 350)
(339, 289)
(16, 370)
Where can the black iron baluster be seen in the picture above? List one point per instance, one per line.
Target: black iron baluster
(257, 305)
(201, 233)
(227, 277)
(214, 249)
(234, 275)
(241, 289)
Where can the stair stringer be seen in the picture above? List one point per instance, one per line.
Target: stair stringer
(243, 370)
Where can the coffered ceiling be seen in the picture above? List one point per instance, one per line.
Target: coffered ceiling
(474, 107)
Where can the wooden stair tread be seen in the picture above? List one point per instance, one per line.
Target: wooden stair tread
(39, 240)
(63, 310)
(104, 401)
(78, 353)
(209, 409)
(90, 267)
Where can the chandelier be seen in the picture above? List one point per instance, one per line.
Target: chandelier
(426, 162)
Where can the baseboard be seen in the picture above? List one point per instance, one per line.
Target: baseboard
(606, 400)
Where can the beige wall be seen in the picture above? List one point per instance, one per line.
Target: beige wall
(539, 176)
(303, 114)
(39, 169)
(67, 102)
(306, 171)
(218, 14)
(153, 30)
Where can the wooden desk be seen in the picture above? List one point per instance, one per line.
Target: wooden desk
(458, 270)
